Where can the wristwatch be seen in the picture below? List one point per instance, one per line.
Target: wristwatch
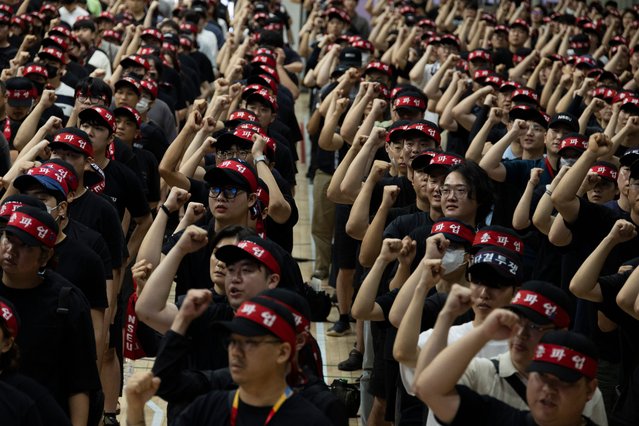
(260, 158)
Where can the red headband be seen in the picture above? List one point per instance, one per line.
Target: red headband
(499, 239)
(76, 141)
(260, 253)
(69, 178)
(22, 94)
(455, 228)
(426, 129)
(566, 357)
(268, 319)
(9, 207)
(302, 324)
(445, 160)
(241, 169)
(410, 101)
(9, 318)
(574, 142)
(605, 172)
(33, 227)
(242, 115)
(543, 306)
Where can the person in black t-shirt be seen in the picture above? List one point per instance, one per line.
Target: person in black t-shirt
(128, 123)
(44, 406)
(69, 368)
(561, 380)
(48, 184)
(261, 346)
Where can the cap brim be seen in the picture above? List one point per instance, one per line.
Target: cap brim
(90, 114)
(126, 113)
(230, 254)
(572, 126)
(491, 275)
(221, 177)
(20, 103)
(429, 169)
(23, 182)
(562, 373)
(23, 236)
(228, 139)
(529, 314)
(243, 327)
(62, 145)
(126, 83)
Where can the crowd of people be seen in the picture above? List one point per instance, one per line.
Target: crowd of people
(475, 186)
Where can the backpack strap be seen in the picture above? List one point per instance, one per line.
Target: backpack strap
(515, 382)
(64, 301)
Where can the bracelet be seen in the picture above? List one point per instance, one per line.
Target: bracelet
(548, 192)
(165, 209)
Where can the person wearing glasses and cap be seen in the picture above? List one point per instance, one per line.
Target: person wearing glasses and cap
(261, 347)
(561, 379)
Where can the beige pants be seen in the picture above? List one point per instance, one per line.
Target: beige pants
(322, 222)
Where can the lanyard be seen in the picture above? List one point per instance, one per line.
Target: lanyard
(236, 403)
(551, 172)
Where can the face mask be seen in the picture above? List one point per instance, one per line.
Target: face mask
(453, 260)
(52, 71)
(142, 106)
(365, 56)
(51, 209)
(563, 162)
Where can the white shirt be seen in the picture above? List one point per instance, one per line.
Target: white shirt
(456, 332)
(99, 59)
(71, 17)
(208, 45)
(66, 98)
(480, 376)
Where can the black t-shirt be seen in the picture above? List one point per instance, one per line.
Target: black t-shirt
(492, 411)
(628, 326)
(207, 346)
(57, 349)
(125, 189)
(94, 241)
(153, 140)
(282, 234)
(45, 405)
(7, 54)
(214, 408)
(16, 408)
(405, 197)
(147, 169)
(204, 66)
(79, 264)
(99, 214)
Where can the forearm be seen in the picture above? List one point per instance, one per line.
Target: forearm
(364, 303)
(521, 216)
(354, 174)
(567, 188)
(278, 209)
(191, 162)
(79, 409)
(404, 297)
(29, 151)
(584, 282)
(405, 349)
(285, 80)
(141, 228)
(353, 118)
(559, 234)
(447, 120)
(542, 218)
(584, 118)
(28, 128)
(401, 275)
(612, 126)
(151, 307)
(372, 241)
(151, 246)
(358, 218)
(416, 73)
(476, 147)
(628, 296)
(548, 88)
(443, 373)
(436, 343)
(551, 108)
(491, 161)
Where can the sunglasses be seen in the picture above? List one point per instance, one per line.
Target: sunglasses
(229, 192)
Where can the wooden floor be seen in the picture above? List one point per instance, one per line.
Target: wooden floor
(334, 349)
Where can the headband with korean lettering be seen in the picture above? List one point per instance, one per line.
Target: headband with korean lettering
(499, 239)
(543, 306)
(566, 357)
(33, 227)
(269, 320)
(261, 254)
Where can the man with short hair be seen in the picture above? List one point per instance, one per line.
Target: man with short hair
(562, 379)
(261, 346)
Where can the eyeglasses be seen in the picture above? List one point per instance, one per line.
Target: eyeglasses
(227, 155)
(459, 191)
(531, 327)
(90, 100)
(229, 192)
(247, 345)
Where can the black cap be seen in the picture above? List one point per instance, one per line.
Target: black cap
(253, 248)
(634, 170)
(20, 92)
(542, 303)
(495, 267)
(565, 119)
(12, 202)
(629, 157)
(567, 355)
(22, 224)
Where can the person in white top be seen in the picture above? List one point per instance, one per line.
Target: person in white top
(541, 307)
(70, 11)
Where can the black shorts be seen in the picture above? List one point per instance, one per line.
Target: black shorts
(344, 247)
(377, 386)
(391, 373)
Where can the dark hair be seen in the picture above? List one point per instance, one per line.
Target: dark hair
(480, 188)
(271, 38)
(10, 360)
(94, 87)
(230, 231)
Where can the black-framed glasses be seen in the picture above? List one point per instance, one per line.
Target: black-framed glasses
(229, 192)
(242, 154)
